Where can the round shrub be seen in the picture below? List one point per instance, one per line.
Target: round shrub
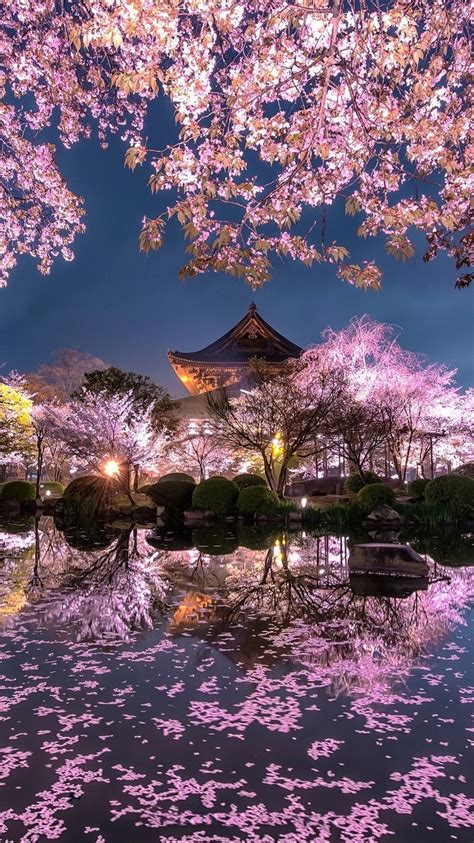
(417, 487)
(217, 495)
(257, 500)
(354, 483)
(466, 470)
(145, 488)
(51, 486)
(174, 494)
(178, 475)
(93, 490)
(371, 496)
(215, 540)
(19, 490)
(451, 490)
(244, 481)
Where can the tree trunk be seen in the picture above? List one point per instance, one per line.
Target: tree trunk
(282, 481)
(39, 467)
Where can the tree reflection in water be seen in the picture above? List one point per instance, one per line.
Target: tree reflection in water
(274, 697)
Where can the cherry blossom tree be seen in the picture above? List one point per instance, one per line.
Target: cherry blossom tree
(394, 398)
(279, 418)
(282, 110)
(100, 428)
(197, 448)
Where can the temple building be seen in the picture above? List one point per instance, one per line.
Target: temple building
(227, 361)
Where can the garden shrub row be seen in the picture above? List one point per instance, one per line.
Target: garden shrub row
(244, 481)
(19, 490)
(174, 494)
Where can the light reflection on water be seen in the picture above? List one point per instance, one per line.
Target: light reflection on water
(227, 685)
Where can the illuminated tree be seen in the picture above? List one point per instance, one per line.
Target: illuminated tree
(282, 109)
(279, 418)
(15, 422)
(98, 429)
(393, 397)
(197, 449)
(112, 382)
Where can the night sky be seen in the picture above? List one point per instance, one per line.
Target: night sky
(129, 308)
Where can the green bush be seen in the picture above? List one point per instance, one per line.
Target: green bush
(373, 495)
(466, 470)
(51, 486)
(417, 487)
(145, 488)
(174, 494)
(217, 495)
(215, 540)
(451, 490)
(257, 500)
(97, 491)
(19, 490)
(354, 482)
(244, 481)
(177, 475)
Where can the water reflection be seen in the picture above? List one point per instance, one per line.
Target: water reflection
(229, 684)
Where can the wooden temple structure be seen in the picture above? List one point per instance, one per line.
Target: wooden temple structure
(227, 361)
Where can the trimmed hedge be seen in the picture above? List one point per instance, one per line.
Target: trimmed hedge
(371, 496)
(217, 495)
(19, 490)
(244, 481)
(257, 500)
(466, 470)
(354, 482)
(177, 475)
(451, 490)
(51, 486)
(173, 494)
(417, 487)
(93, 489)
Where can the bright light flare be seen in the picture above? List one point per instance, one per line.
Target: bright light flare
(111, 468)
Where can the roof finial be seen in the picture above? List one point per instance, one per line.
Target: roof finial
(253, 307)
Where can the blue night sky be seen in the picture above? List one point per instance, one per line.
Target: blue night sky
(129, 308)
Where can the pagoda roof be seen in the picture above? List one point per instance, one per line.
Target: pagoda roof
(251, 337)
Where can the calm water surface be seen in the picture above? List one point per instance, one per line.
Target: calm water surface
(198, 690)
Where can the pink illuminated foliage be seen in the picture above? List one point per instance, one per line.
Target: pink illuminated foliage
(394, 398)
(100, 427)
(282, 110)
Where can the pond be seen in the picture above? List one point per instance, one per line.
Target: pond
(223, 686)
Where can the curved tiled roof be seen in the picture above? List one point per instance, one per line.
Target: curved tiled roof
(251, 337)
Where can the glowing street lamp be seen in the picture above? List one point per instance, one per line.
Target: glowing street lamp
(277, 446)
(111, 468)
